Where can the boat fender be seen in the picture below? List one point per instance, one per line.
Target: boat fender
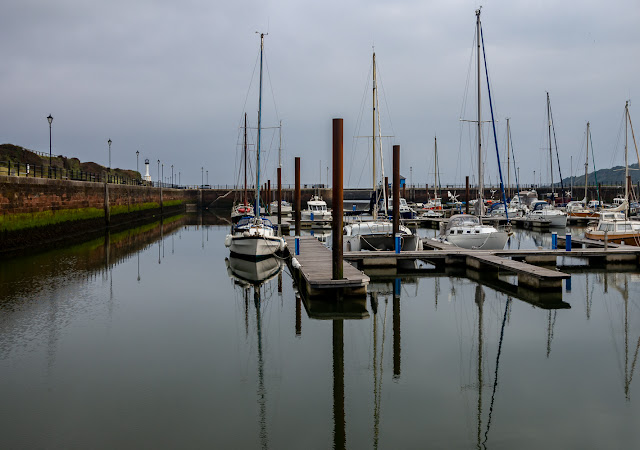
(245, 234)
(295, 263)
(283, 244)
(227, 241)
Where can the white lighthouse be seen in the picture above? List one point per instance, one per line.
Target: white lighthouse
(147, 177)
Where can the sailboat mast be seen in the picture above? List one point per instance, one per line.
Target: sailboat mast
(626, 158)
(257, 210)
(586, 166)
(508, 163)
(280, 146)
(480, 180)
(435, 169)
(373, 134)
(245, 160)
(553, 197)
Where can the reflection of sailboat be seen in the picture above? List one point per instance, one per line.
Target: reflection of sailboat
(377, 366)
(480, 382)
(253, 272)
(629, 365)
(253, 275)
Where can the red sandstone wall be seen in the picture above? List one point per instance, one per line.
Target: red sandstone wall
(27, 195)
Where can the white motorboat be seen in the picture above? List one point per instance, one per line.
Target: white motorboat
(614, 227)
(466, 231)
(316, 210)
(285, 207)
(405, 211)
(544, 211)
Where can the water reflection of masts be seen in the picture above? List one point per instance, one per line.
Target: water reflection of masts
(588, 301)
(551, 323)
(262, 393)
(377, 366)
(495, 379)
(628, 369)
(480, 303)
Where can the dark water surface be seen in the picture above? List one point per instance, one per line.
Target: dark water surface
(146, 341)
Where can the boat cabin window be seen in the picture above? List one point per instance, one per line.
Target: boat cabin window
(605, 227)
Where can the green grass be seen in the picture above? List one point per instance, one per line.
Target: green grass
(22, 221)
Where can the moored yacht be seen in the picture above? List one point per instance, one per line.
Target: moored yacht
(255, 237)
(466, 231)
(377, 235)
(316, 210)
(543, 210)
(614, 227)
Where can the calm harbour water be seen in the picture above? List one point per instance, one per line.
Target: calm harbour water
(145, 340)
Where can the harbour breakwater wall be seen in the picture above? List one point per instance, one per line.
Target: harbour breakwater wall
(37, 213)
(223, 198)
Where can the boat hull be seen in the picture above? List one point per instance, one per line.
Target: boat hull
(481, 241)
(380, 242)
(255, 246)
(555, 220)
(612, 236)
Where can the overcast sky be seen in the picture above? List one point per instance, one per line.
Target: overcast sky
(173, 79)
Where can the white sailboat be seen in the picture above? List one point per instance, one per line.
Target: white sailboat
(377, 233)
(255, 237)
(543, 210)
(285, 207)
(243, 209)
(614, 224)
(464, 230)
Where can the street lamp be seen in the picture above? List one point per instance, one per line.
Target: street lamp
(201, 177)
(50, 119)
(159, 172)
(207, 178)
(137, 154)
(171, 175)
(109, 142)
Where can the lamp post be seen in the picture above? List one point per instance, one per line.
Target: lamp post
(207, 178)
(201, 177)
(159, 172)
(171, 175)
(50, 119)
(109, 142)
(137, 167)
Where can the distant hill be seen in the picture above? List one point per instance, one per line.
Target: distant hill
(15, 154)
(606, 177)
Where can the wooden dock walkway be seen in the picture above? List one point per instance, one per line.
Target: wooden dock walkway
(312, 269)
